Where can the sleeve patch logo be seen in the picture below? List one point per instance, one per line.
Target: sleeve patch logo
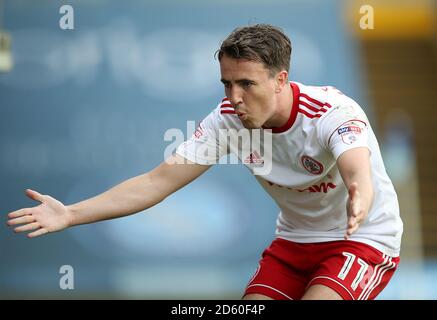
(350, 133)
(349, 129)
(198, 133)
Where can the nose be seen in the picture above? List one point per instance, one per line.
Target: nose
(235, 96)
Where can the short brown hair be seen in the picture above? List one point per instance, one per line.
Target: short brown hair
(261, 42)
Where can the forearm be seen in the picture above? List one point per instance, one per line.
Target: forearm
(354, 166)
(128, 197)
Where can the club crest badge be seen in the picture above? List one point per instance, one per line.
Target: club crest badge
(311, 165)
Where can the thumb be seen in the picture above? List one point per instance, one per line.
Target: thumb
(353, 190)
(34, 195)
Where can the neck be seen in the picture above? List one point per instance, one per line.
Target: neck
(284, 103)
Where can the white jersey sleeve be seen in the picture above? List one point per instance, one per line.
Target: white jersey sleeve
(344, 128)
(203, 147)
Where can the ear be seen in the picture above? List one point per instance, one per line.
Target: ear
(281, 80)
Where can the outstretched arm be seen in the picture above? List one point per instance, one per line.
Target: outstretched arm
(354, 167)
(128, 197)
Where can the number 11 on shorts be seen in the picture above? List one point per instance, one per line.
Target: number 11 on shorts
(350, 259)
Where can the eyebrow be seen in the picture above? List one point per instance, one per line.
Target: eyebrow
(239, 81)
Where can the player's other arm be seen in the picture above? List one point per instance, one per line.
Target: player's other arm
(355, 169)
(131, 196)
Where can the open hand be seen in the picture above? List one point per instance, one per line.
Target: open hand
(50, 216)
(355, 212)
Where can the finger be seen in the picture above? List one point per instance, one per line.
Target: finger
(27, 227)
(351, 222)
(356, 210)
(20, 220)
(32, 194)
(18, 213)
(353, 190)
(354, 220)
(351, 230)
(37, 233)
(352, 226)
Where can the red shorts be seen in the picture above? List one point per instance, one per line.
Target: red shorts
(356, 271)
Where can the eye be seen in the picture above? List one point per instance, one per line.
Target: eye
(246, 84)
(227, 84)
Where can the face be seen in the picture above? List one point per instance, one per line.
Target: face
(250, 89)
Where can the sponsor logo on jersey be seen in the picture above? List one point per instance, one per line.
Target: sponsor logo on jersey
(319, 188)
(254, 159)
(311, 165)
(322, 187)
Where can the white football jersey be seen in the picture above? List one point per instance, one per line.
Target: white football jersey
(303, 177)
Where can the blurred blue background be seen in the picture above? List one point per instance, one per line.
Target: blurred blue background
(85, 109)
